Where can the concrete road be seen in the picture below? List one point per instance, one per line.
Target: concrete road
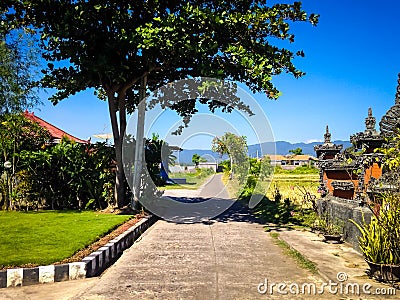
(225, 258)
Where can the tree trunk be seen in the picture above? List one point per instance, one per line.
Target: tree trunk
(231, 175)
(139, 149)
(119, 190)
(118, 134)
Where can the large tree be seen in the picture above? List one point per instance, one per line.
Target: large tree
(18, 71)
(114, 46)
(233, 145)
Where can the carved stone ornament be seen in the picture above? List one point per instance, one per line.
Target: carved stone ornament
(327, 146)
(390, 122)
(363, 139)
(342, 185)
(327, 135)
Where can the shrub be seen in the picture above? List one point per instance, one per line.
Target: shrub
(380, 239)
(68, 175)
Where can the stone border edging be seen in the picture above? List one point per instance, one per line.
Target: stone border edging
(92, 265)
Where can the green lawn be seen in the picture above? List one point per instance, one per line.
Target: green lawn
(193, 179)
(49, 236)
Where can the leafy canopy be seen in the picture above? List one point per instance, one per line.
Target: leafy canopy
(196, 159)
(297, 151)
(18, 72)
(115, 46)
(233, 145)
(17, 133)
(110, 44)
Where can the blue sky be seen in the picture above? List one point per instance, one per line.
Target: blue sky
(352, 61)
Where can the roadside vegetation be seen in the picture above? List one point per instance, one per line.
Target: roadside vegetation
(193, 179)
(289, 195)
(293, 186)
(301, 261)
(45, 237)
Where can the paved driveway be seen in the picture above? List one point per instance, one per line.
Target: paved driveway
(225, 258)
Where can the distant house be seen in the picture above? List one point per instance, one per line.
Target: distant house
(56, 133)
(276, 160)
(292, 161)
(208, 165)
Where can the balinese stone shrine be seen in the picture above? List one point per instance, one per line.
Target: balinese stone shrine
(351, 177)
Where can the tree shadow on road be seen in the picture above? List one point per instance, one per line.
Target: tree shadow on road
(238, 212)
(204, 210)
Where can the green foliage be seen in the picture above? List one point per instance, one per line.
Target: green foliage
(266, 169)
(304, 169)
(248, 176)
(226, 165)
(302, 261)
(231, 144)
(196, 159)
(203, 39)
(17, 134)
(155, 151)
(18, 71)
(391, 153)
(119, 44)
(297, 151)
(380, 239)
(200, 173)
(277, 194)
(258, 171)
(260, 168)
(236, 147)
(373, 242)
(69, 175)
(45, 237)
(193, 179)
(284, 213)
(327, 225)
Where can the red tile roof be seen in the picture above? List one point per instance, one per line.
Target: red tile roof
(56, 133)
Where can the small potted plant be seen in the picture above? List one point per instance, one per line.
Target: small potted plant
(331, 229)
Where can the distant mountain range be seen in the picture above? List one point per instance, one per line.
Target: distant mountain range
(282, 147)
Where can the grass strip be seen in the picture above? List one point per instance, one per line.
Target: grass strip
(302, 261)
(193, 179)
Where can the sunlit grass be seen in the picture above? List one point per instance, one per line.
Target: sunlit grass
(46, 237)
(301, 260)
(193, 179)
(292, 186)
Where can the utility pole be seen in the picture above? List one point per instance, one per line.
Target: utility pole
(138, 166)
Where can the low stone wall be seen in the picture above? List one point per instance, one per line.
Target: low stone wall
(90, 266)
(343, 209)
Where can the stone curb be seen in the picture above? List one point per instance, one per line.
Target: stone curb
(92, 265)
